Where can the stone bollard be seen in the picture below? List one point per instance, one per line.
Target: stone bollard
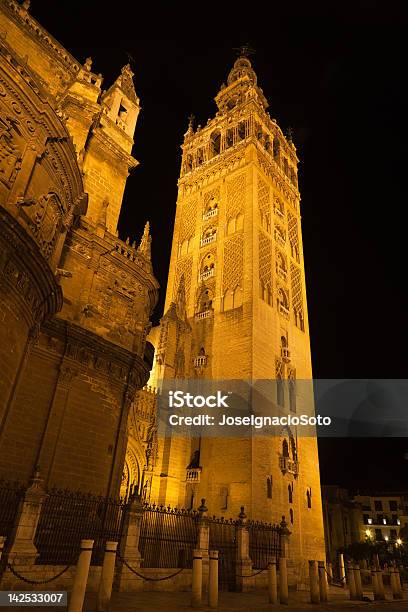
(380, 583)
(395, 583)
(76, 600)
(329, 567)
(351, 581)
(108, 570)
(283, 582)
(272, 583)
(375, 583)
(314, 582)
(323, 586)
(213, 579)
(357, 581)
(342, 570)
(197, 579)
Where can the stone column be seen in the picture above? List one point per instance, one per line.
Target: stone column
(244, 562)
(22, 550)
(203, 541)
(129, 546)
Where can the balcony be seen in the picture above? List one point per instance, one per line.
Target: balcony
(207, 274)
(210, 213)
(287, 465)
(208, 240)
(206, 314)
(283, 310)
(193, 475)
(281, 272)
(200, 361)
(285, 354)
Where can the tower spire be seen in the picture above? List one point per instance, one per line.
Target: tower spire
(146, 241)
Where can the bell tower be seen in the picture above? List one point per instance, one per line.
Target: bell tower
(237, 260)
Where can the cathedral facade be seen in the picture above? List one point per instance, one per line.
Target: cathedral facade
(236, 310)
(75, 299)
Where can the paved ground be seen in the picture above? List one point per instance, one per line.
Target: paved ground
(242, 602)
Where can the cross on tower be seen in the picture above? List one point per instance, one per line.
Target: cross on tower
(245, 50)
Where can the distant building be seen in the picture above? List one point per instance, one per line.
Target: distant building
(377, 516)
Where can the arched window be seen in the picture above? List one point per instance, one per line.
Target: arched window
(200, 156)
(290, 493)
(229, 138)
(205, 301)
(189, 163)
(207, 266)
(293, 448)
(267, 143)
(269, 487)
(285, 448)
(215, 143)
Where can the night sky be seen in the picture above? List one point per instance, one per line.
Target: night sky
(337, 76)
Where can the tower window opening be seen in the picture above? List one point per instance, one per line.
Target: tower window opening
(241, 130)
(309, 497)
(285, 448)
(291, 516)
(229, 138)
(290, 493)
(215, 143)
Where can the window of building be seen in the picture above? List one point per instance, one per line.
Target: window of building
(291, 515)
(290, 493)
(365, 519)
(215, 143)
(378, 504)
(309, 498)
(393, 505)
(378, 534)
(280, 394)
(393, 534)
(285, 448)
(269, 487)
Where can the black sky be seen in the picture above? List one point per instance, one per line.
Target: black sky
(337, 76)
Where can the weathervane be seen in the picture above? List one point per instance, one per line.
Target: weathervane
(245, 50)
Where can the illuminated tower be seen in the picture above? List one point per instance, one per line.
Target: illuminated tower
(236, 309)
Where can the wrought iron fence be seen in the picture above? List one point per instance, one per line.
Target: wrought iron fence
(223, 538)
(264, 543)
(68, 517)
(10, 495)
(168, 536)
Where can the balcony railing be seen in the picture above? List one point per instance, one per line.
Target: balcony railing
(210, 213)
(207, 274)
(206, 314)
(208, 240)
(193, 475)
(283, 309)
(285, 354)
(200, 361)
(287, 464)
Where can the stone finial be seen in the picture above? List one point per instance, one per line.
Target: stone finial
(145, 243)
(88, 64)
(26, 5)
(242, 516)
(284, 526)
(203, 508)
